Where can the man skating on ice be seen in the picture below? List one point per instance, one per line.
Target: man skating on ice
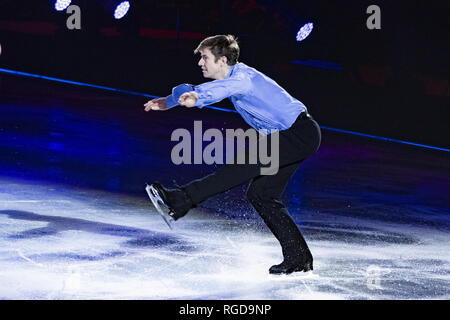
(264, 105)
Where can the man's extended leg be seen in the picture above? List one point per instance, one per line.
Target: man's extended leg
(295, 144)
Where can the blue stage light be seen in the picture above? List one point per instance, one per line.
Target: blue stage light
(61, 5)
(304, 31)
(121, 10)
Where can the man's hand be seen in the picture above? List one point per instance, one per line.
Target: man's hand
(156, 104)
(188, 99)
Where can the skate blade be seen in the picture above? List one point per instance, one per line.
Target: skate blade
(156, 200)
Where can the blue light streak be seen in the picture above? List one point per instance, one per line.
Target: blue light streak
(319, 64)
(384, 139)
(25, 74)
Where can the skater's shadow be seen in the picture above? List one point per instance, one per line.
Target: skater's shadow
(56, 224)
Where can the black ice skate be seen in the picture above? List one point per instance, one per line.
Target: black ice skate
(157, 201)
(288, 267)
(171, 204)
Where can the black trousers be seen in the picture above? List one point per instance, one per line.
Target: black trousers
(297, 143)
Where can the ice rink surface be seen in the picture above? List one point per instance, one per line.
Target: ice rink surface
(67, 243)
(76, 223)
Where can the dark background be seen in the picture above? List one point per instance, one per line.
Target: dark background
(394, 81)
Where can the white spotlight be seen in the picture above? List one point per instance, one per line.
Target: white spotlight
(61, 5)
(121, 10)
(304, 31)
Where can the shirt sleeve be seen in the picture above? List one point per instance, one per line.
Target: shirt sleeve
(172, 100)
(217, 90)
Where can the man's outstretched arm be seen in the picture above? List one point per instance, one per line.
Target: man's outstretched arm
(215, 91)
(170, 101)
(204, 94)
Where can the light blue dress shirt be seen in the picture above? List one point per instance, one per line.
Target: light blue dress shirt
(259, 100)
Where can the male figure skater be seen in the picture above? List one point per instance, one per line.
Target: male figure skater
(264, 105)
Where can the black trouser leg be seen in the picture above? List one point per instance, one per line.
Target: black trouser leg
(264, 193)
(295, 144)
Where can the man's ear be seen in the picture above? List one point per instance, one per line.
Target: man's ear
(224, 60)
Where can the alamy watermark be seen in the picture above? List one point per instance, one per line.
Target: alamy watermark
(258, 151)
(374, 20)
(374, 275)
(74, 20)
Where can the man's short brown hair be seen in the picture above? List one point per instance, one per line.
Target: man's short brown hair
(221, 45)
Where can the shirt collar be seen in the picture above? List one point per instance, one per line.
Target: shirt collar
(231, 71)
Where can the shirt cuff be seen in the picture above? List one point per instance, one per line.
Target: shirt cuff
(172, 100)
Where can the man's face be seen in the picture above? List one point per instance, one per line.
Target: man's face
(210, 68)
